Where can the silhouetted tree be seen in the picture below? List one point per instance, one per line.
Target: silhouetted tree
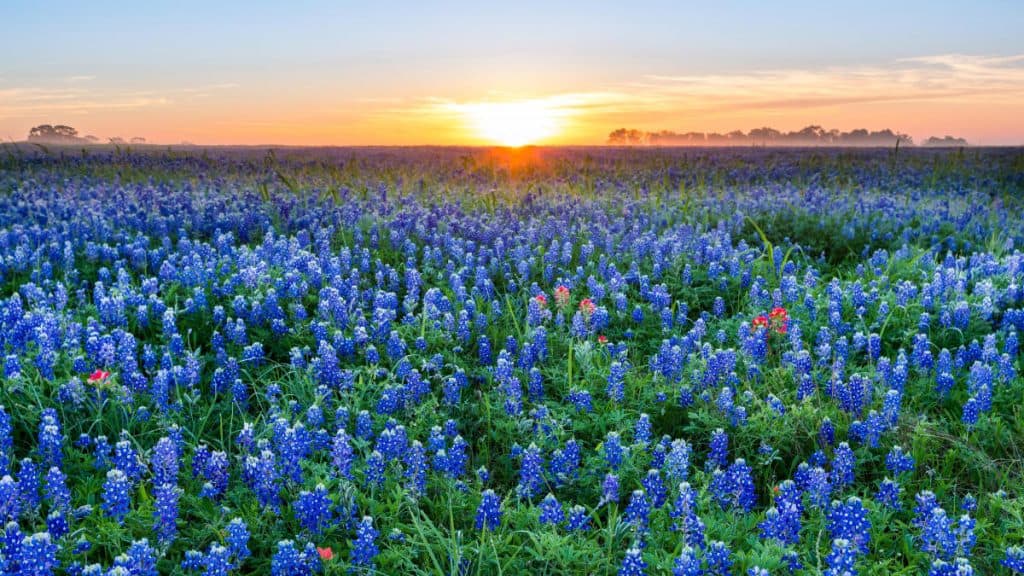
(623, 136)
(55, 134)
(813, 135)
(945, 141)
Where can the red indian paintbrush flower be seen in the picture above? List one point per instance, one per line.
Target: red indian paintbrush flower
(780, 319)
(98, 376)
(562, 296)
(777, 320)
(325, 553)
(542, 300)
(587, 307)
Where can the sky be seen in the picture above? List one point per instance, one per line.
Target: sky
(542, 72)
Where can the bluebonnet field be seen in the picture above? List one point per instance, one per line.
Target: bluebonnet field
(480, 362)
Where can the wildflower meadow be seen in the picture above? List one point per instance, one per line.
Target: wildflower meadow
(451, 361)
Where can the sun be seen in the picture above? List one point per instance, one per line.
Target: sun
(513, 123)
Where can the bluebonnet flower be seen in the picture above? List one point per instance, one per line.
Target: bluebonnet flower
(959, 567)
(342, 454)
(945, 540)
(633, 563)
(375, 469)
(57, 524)
(842, 559)
(313, 509)
(216, 561)
(898, 462)
(488, 514)
(1014, 559)
(827, 433)
(843, 462)
(116, 497)
(215, 472)
(579, 519)
(165, 462)
(783, 521)
(610, 488)
(616, 381)
(581, 400)
(415, 464)
(642, 432)
(638, 510)
(551, 511)
(289, 561)
(364, 547)
(127, 460)
(165, 511)
(51, 439)
(27, 485)
(687, 564)
(677, 463)
(684, 514)
(260, 474)
(888, 494)
(56, 489)
(734, 487)
(849, 521)
(37, 555)
(613, 450)
(719, 559)
(718, 455)
(531, 472)
(654, 486)
(793, 563)
(139, 559)
(237, 539)
(971, 412)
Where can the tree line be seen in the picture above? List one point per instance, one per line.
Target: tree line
(64, 134)
(813, 135)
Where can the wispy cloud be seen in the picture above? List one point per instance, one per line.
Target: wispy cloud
(33, 102)
(77, 96)
(953, 78)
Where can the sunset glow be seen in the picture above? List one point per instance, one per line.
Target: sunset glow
(512, 123)
(464, 74)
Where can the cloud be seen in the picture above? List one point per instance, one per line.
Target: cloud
(73, 98)
(950, 78)
(40, 102)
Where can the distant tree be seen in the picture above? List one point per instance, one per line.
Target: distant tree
(764, 135)
(813, 135)
(623, 136)
(116, 140)
(43, 131)
(63, 131)
(91, 138)
(59, 134)
(138, 140)
(945, 141)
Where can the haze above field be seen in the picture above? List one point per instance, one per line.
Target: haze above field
(321, 73)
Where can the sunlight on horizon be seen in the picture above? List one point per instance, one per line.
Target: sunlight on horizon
(515, 123)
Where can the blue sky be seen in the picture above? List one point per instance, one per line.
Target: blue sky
(217, 71)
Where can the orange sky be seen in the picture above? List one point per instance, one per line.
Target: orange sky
(322, 73)
(979, 98)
